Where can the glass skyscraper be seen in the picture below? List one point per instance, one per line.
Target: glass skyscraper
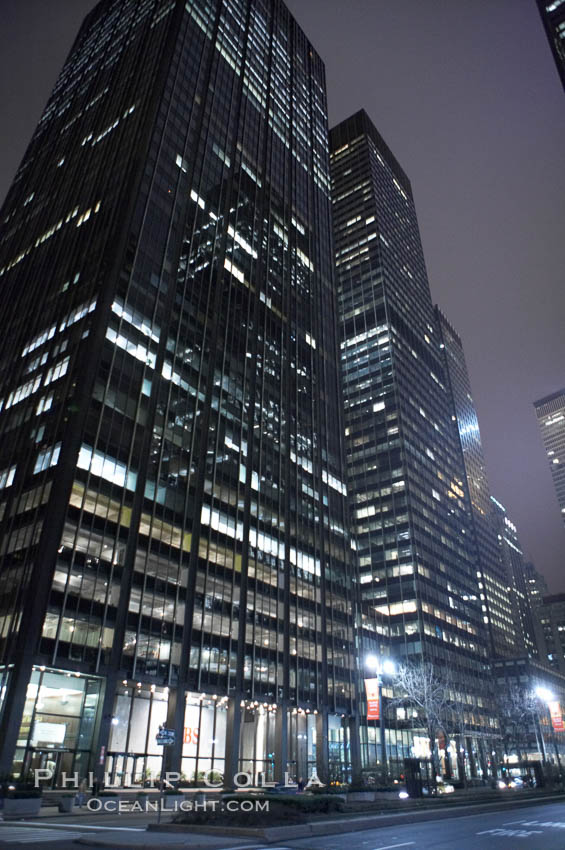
(553, 16)
(517, 582)
(493, 573)
(173, 521)
(410, 511)
(552, 620)
(550, 412)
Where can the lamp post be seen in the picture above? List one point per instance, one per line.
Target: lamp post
(381, 667)
(546, 697)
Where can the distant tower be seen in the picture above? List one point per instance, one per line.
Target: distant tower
(493, 579)
(553, 16)
(517, 578)
(550, 412)
(552, 618)
(536, 589)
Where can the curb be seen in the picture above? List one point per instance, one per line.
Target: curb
(353, 824)
(94, 842)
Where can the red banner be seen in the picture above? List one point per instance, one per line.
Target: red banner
(556, 716)
(373, 704)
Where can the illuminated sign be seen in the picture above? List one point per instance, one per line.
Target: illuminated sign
(373, 702)
(556, 716)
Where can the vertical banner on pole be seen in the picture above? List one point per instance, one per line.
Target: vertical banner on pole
(556, 716)
(373, 704)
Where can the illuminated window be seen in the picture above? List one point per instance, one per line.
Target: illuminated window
(46, 458)
(7, 477)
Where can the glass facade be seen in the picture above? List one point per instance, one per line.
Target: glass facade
(58, 723)
(512, 561)
(172, 494)
(501, 597)
(550, 412)
(553, 16)
(410, 511)
(551, 614)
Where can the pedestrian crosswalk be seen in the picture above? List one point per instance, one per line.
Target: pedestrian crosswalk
(11, 835)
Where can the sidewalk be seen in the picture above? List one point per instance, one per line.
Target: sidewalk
(189, 841)
(123, 838)
(167, 835)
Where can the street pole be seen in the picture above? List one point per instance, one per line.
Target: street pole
(161, 785)
(164, 738)
(542, 739)
(537, 733)
(554, 740)
(384, 760)
(381, 667)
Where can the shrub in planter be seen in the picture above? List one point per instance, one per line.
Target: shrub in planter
(286, 809)
(364, 796)
(198, 779)
(360, 786)
(22, 803)
(24, 794)
(6, 780)
(328, 790)
(280, 811)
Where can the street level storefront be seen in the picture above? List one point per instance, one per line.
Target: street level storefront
(265, 729)
(60, 732)
(532, 707)
(59, 723)
(471, 757)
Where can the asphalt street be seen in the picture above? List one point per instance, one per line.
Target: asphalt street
(48, 837)
(533, 828)
(540, 827)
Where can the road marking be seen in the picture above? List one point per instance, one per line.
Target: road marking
(86, 826)
(390, 846)
(18, 835)
(511, 833)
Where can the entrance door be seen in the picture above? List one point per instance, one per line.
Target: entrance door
(125, 769)
(115, 768)
(133, 773)
(57, 761)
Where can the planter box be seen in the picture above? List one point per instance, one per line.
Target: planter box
(66, 804)
(361, 797)
(21, 807)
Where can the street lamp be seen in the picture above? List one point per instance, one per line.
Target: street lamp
(547, 697)
(381, 667)
(544, 694)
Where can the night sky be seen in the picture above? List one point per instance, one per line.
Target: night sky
(467, 96)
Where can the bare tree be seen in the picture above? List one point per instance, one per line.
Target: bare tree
(421, 686)
(517, 709)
